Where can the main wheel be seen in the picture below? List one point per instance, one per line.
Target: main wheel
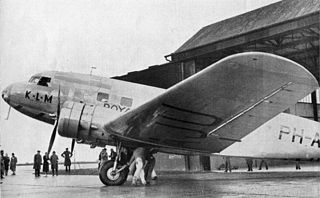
(109, 178)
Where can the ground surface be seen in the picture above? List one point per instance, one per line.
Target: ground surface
(272, 183)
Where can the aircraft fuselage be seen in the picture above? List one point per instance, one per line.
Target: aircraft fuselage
(38, 99)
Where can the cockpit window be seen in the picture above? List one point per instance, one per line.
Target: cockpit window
(34, 79)
(40, 80)
(44, 81)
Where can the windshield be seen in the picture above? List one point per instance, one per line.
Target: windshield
(40, 80)
(34, 79)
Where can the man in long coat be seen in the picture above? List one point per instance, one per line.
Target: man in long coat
(103, 157)
(13, 164)
(6, 164)
(67, 162)
(37, 161)
(54, 163)
(2, 164)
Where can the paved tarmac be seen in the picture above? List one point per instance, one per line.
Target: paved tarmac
(272, 183)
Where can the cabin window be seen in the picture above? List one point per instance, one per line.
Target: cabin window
(44, 81)
(126, 101)
(103, 97)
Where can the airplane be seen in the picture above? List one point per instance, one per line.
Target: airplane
(209, 112)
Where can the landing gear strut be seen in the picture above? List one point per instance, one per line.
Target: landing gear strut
(111, 177)
(113, 173)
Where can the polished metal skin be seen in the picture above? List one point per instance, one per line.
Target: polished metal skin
(218, 106)
(205, 113)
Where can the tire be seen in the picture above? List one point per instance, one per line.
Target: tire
(112, 180)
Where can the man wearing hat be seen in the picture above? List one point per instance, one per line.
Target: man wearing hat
(54, 163)
(67, 161)
(37, 160)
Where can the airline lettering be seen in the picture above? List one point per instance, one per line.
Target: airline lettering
(298, 136)
(38, 97)
(119, 108)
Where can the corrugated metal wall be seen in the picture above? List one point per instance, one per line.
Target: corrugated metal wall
(307, 99)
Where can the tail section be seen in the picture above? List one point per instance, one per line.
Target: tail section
(285, 136)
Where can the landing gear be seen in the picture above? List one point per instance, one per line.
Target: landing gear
(114, 173)
(113, 177)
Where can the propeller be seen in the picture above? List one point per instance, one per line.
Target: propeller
(72, 145)
(54, 132)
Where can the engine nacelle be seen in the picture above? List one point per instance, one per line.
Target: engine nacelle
(83, 122)
(69, 119)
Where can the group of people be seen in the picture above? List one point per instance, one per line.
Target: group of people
(7, 163)
(104, 157)
(249, 162)
(38, 160)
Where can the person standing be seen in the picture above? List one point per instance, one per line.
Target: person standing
(298, 167)
(113, 155)
(124, 156)
(227, 164)
(2, 164)
(249, 163)
(263, 162)
(6, 163)
(132, 166)
(103, 157)
(45, 166)
(138, 158)
(37, 161)
(149, 167)
(67, 162)
(13, 164)
(54, 163)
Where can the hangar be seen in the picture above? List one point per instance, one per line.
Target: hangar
(289, 28)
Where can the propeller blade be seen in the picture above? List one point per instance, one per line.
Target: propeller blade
(8, 113)
(54, 132)
(53, 136)
(58, 105)
(72, 145)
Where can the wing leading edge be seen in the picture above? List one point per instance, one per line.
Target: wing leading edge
(219, 105)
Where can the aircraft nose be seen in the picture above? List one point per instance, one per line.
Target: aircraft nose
(6, 93)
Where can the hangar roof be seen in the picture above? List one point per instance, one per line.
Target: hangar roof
(263, 17)
(289, 28)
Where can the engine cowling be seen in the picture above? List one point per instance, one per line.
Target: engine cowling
(69, 119)
(83, 122)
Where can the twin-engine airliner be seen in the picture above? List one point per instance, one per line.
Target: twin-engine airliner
(233, 107)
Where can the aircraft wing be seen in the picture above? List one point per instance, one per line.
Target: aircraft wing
(217, 106)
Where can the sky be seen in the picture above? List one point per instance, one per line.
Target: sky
(116, 37)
